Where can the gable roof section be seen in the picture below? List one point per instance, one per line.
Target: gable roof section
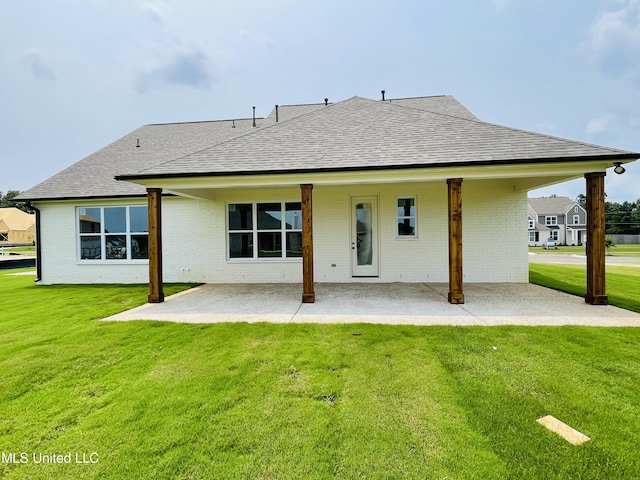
(443, 104)
(16, 219)
(94, 176)
(362, 134)
(355, 134)
(551, 205)
(286, 112)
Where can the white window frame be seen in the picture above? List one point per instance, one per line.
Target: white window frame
(404, 217)
(254, 231)
(128, 233)
(532, 237)
(532, 224)
(551, 220)
(554, 234)
(576, 219)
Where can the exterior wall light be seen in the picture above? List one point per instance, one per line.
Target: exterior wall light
(619, 168)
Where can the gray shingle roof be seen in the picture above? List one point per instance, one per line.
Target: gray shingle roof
(551, 205)
(353, 134)
(286, 112)
(444, 104)
(362, 134)
(94, 176)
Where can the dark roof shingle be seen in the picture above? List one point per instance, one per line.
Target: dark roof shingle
(354, 134)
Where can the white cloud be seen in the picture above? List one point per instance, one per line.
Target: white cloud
(601, 124)
(616, 33)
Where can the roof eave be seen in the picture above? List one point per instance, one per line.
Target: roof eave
(623, 156)
(67, 198)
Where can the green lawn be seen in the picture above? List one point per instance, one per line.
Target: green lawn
(622, 283)
(632, 250)
(162, 400)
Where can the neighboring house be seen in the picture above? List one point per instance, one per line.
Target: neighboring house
(16, 227)
(356, 191)
(558, 218)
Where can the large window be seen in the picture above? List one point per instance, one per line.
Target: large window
(270, 230)
(551, 220)
(406, 211)
(113, 233)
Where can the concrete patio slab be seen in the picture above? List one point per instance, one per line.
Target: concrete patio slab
(384, 303)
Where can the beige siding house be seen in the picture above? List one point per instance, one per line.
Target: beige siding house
(16, 227)
(400, 190)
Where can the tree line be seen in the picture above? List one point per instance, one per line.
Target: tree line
(7, 200)
(621, 218)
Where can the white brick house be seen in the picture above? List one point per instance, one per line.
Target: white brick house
(360, 190)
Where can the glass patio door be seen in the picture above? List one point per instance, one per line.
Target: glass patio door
(364, 236)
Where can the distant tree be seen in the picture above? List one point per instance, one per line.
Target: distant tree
(623, 218)
(7, 200)
(582, 200)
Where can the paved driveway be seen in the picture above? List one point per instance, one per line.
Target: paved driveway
(389, 303)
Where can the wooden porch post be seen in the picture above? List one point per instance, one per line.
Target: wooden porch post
(156, 293)
(308, 294)
(456, 296)
(596, 290)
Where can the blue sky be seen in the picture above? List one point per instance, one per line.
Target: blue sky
(78, 74)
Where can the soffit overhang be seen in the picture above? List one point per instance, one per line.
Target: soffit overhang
(523, 176)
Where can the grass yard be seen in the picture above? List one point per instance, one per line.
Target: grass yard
(631, 250)
(161, 400)
(623, 283)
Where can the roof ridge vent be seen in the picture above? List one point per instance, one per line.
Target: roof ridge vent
(382, 92)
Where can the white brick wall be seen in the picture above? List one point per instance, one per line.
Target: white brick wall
(59, 237)
(194, 238)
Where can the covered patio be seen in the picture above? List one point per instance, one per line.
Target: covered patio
(381, 303)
